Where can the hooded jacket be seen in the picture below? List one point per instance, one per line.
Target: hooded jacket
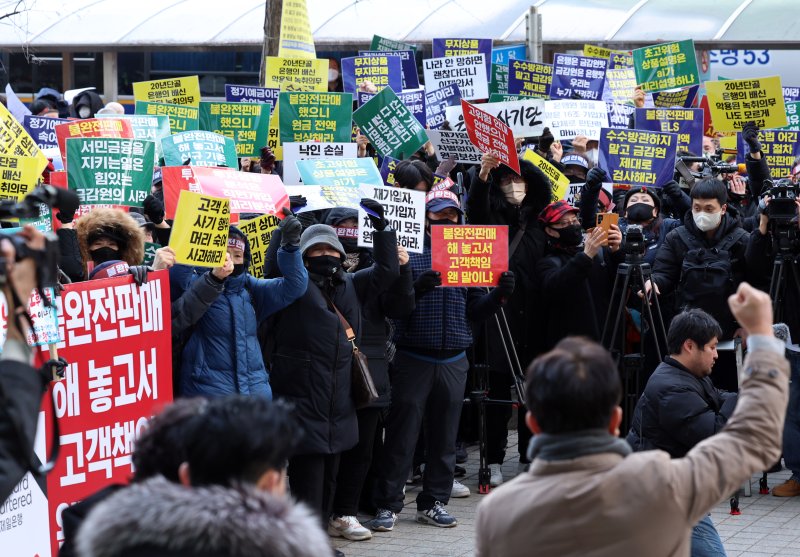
(223, 355)
(117, 224)
(158, 518)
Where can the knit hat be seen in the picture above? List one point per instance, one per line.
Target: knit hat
(320, 234)
(578, 160)
(553, 212)
(652, 192)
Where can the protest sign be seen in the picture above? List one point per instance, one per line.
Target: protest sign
(247, 124)
(446, 48)
(118, 344)
(295, 74)
(501, 55)
(437, 100)
(498, 83)
(469, 255)
(405, 211)
(619, 59)
(199, 148)
(666, 66)
(490, 135)
(43, 317)
(274, 136)
(568, 119)
(177, 90)
(594, 51)
(687, 123)
(390, 126)
(498, 73)
(388, 166)
(293, 152)
(468, 72)
(382, 71)
(779, 147)
(150, 128)
(413, 100)
(408, 65)
(181, 118)
(578, 75)
(43, 130)
(501, 98)
(638, 157)
(681, 98)
(382, 43)
(342, 172)
(252, 94)
(93, 127)
(18, 176)
(791, 94)
(110, 170)
(792, 115)
(200, 230)
(620, 85)
(150, 249)
(321, 197)
(15, 141)
(315, 116)
(524, 117)
(737, 101)
(559, 182)
(531, 79)
(296, 39)
(259, 233)
(454, 144)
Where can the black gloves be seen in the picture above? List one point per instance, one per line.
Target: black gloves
(66, 217)
(290, 229)
(505, 287)
(672, 189)
(426, 282)
(153, 209)
(750, 136)
(297, 201)
(595, 179)
(371, 206)
(139, 273)
(546, 141)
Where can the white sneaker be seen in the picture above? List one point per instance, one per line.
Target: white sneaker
(459, 490)
(347, 527)
(497, 475)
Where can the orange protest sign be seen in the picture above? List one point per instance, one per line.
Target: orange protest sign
(469, 255)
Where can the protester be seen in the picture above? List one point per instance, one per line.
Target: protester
(85, 105)
(585, 492)
(413, 175)
(112, 242)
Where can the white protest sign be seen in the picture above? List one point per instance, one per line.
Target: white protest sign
(293, 152)
(456, 144)
(468, 72)
(325, 197)
(573, 193)
(524, 117)
(405, 211)
(569, 118)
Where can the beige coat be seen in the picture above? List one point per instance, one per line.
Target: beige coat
(644, 504)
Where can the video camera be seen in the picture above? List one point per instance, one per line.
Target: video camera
(634, 246)
(782, 213)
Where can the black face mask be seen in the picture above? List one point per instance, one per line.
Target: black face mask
(350, 245)
(570, 235)
(238, 269)
(445, 222)
(639, 212)
(323, 265)
(101, 255)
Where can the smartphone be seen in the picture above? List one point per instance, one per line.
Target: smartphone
(605, 220)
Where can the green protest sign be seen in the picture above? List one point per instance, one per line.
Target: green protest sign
(666, 66)
(792, 116)
(150, 253)
(181, 118)
(501, 98)
(152, 127)
(310, 116)
(390, 126)
(247, 124)
(499, 82)
(382, 43)
(110, 170)
(199, 148)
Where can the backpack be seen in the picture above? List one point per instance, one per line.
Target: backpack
(707, 273)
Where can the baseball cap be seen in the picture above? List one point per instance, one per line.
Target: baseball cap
(442, 203)
(553, 212)
(577, 160)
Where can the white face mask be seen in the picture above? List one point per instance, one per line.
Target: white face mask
(84, 111)
(591, 154)
(333, 75)
(707, 221)
(514, 192)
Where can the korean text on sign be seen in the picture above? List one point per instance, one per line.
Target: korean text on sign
(638, 157)
(578, 75)
(180, 90)
(469, 255)
(779, 147)
(390, 125)
(490, 135)
(200, 230)
(405, 211)
(181, 118)
(259, 233)
(315, 117)
(666, 66)
(531, 79)
(737, 101)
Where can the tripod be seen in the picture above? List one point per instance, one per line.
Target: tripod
(631, 277)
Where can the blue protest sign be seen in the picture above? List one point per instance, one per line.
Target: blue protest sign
(619, 115)
(42, 130)
(638, 157)
(339, 172)
(682, 97)
(252, 94)
(502, 54)
(579, 75)
(779, 147)
(687, 123)
(382, 71)
(414, 100)
(617, 60)
(408, 65)
(387, 170)
(437, 101)
(791, 94)
(531, 79)
(445, 48)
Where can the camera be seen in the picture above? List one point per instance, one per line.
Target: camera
(782, 213)
(634, 246)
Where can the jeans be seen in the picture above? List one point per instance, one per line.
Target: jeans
(705, 540)
(791, 428)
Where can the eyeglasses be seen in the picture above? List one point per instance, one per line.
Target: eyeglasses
(570, 222)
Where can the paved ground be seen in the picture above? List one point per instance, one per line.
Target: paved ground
(768, 526)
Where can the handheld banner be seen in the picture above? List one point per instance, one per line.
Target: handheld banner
(315, 117)
(247, 124)
(408, 65)
(468, 72)
(446, 48)
(780, 147)
(200, 230)
(405, 211)
(296, 39)
(326, 197)
(15, 141)
(454, 144)
(568, 119)
(498, 83)
(620, 85)
(490, 135)
(594, 51)
(687, 123)
(469, 255)
(559, 182)
(150, 249)
(437, 101)
(18, 176)
(682, 98)
(259, 233)
(638, 157)
(382, 43)
(791, 94)
(252, 94)
(531, 79)
(178, 90)
(295, 74)
(413, 100)
(666, 66)
(387, 169)
(524, 117)
(620, 60)
(199, 148)
(43, 130)
(344, 172)
(111, 170)
(382, 71)
(619, 115)
(792, 115)
(293, 152)
(93, 127)
(578, 75)
(390, 126)
(737, 101)
(274, 136)
(150, 128)
(181, 118)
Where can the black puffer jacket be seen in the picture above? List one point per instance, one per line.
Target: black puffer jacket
(678, 410)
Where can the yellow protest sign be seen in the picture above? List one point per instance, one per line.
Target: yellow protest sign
(200, 230)
(18, 176)
(274, 137)
(16, 142)
(596, 51)
(176, 90)
(296, 40)
(297, 74)
(559, 181)
(259, 233)
(737, 101)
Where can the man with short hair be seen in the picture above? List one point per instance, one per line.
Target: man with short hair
(586, 494)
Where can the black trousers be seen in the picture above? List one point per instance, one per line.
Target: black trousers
(355, 464)
(312, 480)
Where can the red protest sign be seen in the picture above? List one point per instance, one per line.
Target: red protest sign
(93, 127)
(469, 255)
(490, 135)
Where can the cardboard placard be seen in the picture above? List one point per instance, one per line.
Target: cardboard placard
(311, 116)
(436, 103)
(530, 79)
(737, 101)
(468, 72)
(296, 74)
(687, 123)
(524, 117)
(666, 66)
(343, 172)
(405, 211)
(381, 71)
(199, 148)
(183, 91)
(293, 152)
(568, 119)
(469, 255)
(247, 124)
(390, 126)
(200, 230)
(579, 75)
(252, 94)
(490, 135)
(296, 39)
(454, 144)
(638, 157)
(181, 118)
